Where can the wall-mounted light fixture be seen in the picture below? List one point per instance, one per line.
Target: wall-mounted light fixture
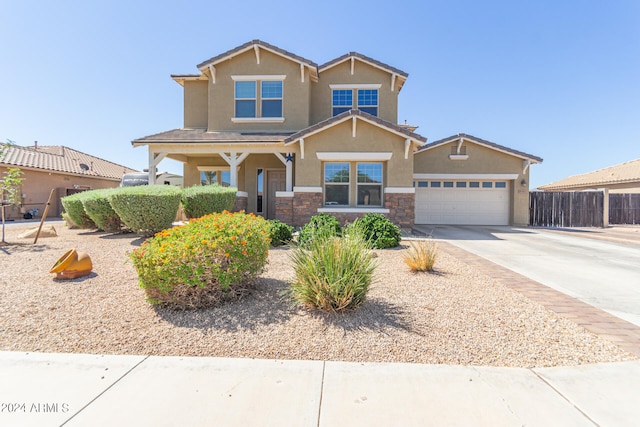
(523, 182)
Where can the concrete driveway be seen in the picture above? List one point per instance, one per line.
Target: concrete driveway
(601, 273)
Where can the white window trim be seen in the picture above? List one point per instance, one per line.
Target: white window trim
(458, 156)
(347, 184)
(355, 156)
(257, 119)
(238, 78)
(352, 210)
(355, 86)
(213, 168)
(399, 190)
(358, 184)
(307, 189)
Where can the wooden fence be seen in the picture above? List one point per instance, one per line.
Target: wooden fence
(624, 208)
(566, 209)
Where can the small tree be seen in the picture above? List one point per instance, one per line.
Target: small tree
(9, 187)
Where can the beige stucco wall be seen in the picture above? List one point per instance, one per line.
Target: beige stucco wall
(296, 94)
(369, 138)
(196, 105)
(363, 74)
(482, 160)
(37, 186)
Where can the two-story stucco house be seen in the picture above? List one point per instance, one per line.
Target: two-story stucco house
(296, 138)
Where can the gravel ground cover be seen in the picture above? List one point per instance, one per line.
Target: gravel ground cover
(451, 316)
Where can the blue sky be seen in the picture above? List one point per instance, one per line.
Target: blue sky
(558, 79)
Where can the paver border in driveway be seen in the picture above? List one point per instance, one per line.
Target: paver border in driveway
(622, 333)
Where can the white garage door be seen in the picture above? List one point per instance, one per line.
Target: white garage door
(462, 202)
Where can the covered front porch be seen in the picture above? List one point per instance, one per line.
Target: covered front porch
(258, 166)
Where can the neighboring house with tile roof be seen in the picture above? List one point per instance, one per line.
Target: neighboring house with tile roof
(296, 138)
(622, 178)
(56, 167)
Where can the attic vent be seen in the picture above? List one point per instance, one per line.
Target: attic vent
(84, 166)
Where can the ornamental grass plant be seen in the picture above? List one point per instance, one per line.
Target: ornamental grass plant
(207, 261)
(421, 255)
(332, 273)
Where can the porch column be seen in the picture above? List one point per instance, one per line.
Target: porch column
(233, 160)
(288, 164)
(154, 160)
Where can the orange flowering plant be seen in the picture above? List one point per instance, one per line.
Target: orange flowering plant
(209, 260)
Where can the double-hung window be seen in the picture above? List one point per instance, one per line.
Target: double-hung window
(363, 97)
(258, 98)
(342, 100)
(369, 184)
(271, 96)
(336, 184)
(368, 101)
(246, 99)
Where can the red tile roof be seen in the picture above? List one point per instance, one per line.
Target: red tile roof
(62, 159)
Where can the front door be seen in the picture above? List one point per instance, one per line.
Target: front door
(276, 181)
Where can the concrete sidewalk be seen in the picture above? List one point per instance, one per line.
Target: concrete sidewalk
(38, 389)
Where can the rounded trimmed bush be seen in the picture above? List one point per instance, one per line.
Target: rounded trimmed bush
(379, 230)
(96, 205)
(333, 273)
(75, 209)
(201, 200)
(279, 232)
(321, 223)
(146, 209)
(205, 262)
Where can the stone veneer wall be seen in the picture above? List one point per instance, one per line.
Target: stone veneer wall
(299, 209)
(402, 208)
(241, 204)
(284, 209)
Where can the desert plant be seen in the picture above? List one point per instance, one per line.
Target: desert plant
(75, 209)
(202, 200)
(96, 205)
(207, 261)
(146, 209)
(334, 273)
(279, 232)
(378, 229)
(322, 224)
(421, 255)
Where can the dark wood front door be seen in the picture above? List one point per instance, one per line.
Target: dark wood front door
(276, 181)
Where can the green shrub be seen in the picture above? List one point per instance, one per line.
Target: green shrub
(334, 273)
(96, 205)
(321, 223)
(74, 208)
(68, 221)
(379, 230)
(202, 200)
(146, 209)
(279, 232)
(207, 261)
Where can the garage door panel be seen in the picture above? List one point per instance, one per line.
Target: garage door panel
(462, 205)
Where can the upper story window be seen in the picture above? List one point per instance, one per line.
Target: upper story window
(364, 95)
(246, 99)
(342, 100)
(368, 101)
(258, 98)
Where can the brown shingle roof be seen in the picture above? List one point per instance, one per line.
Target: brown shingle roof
(345, 115)
(617, 174)
(201, 135)
(484, 142)
(260, 43)
(364, 58)
(62, 159)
